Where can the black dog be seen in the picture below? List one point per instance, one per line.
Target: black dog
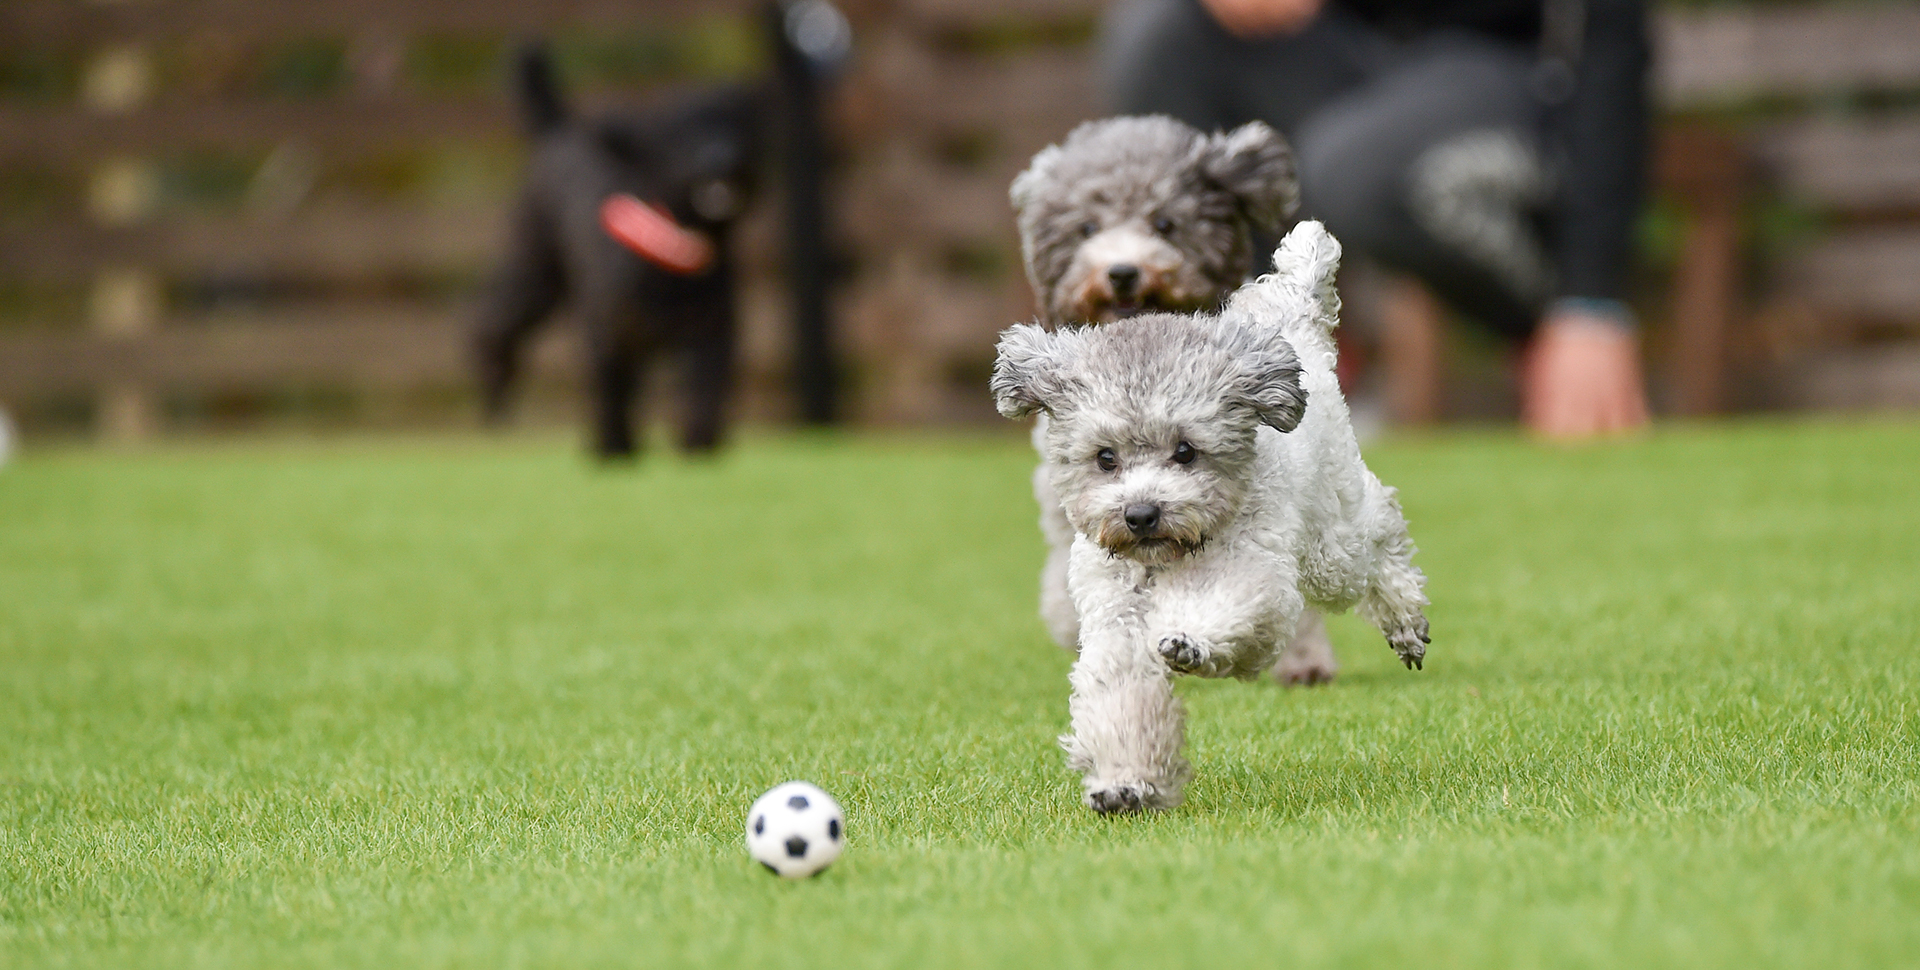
(630, 217)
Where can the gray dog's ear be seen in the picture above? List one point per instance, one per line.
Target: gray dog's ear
(1026, 371)
(1269, 382)
(1028, 185)
(1254, 163)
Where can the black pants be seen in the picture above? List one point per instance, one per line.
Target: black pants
(1424, 155)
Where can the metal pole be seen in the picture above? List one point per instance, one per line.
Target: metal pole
(811, 39)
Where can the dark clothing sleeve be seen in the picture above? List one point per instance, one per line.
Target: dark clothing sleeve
(1601, 135)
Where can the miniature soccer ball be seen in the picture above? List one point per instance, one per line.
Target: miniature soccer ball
(796, 830)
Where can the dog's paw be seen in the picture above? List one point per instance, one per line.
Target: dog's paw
(1305, 670)
(1410, 642)
(1189, 655)
(1308, 660)
(1123, 799)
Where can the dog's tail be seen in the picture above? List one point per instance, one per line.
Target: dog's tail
(1298, 296)
(541, 109)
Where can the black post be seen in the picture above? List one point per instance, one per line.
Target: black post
(810, 39)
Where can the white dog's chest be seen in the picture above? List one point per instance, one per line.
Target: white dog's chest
(1240, 579)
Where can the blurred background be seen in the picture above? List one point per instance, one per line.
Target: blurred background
(241, 214)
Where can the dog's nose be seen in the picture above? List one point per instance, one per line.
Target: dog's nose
(1141, 517)
(1123, 276)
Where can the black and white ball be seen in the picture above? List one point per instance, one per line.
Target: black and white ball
(795, 830)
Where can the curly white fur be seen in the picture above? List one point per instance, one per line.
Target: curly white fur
(1208, 470)
(1175, 204)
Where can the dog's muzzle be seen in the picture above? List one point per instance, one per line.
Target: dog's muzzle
(1123, 271)
(1147, 532)
(1125, 289)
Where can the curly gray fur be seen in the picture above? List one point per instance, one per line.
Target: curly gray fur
(1208, 473)
(1147, 213)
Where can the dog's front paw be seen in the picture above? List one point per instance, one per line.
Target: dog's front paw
(1410, 642)
(1190, 655)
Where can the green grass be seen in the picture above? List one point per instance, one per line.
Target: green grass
(481, 704)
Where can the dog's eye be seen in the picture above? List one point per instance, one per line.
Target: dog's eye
(1089, 227)
(1184, 454)
(1107, 460)
(1162, 225)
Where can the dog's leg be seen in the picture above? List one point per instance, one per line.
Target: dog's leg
(526, 289)
(1308, 658)
(706, 377)
(616, 385)
(1395, 601)
(1128, 727)
(1225, 616)
(1395, 605)
(1056, 605)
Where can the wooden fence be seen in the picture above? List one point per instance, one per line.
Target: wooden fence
(1793, 147)
(126, 290)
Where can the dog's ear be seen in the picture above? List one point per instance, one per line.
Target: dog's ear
(1254, 163)
(1028, 185)
(1269, 380)
(1027, 371)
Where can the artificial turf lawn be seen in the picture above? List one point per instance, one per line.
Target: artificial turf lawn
(414, 704)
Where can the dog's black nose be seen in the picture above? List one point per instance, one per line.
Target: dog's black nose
(1123, 276)
(1141, 517)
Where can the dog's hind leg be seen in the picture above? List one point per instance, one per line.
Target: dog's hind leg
(526, 289)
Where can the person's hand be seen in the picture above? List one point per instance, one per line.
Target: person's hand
(1581, 378)
(1256, 19)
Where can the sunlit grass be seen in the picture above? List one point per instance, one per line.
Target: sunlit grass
(415, 704)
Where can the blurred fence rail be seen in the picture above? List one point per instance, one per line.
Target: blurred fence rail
(1796, 156)
(207, 203)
